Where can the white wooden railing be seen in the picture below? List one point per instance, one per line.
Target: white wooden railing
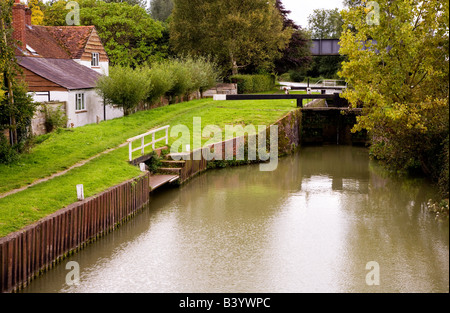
(143, 144)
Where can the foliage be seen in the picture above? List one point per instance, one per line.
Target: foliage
(297, 76)
(178, 77)
(400, 79)
(154, 163)
(296, 55)
(237, 34)
(124, 87)
(130, 36)
(253, 83)
(160, 10)
(54, 118)
(326, 66)
(8, 154)
(37, 16)
(16, 107)
(161, 80)
(325, 24)
(204, 73)
(141, 3)
(443, 179)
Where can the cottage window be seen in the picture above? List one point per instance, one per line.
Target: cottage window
(95, 59)
(80, 104)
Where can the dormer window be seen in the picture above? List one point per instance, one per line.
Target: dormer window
(31, 50)
(95, 59)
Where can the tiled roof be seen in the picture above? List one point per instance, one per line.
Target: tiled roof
(73, 38)
(64, 72)
(58, 42)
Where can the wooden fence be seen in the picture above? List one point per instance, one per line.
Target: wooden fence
(27, 253)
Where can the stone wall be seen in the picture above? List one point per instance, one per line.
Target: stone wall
(221, 89)
(38, 121)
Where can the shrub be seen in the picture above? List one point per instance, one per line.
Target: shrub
(7, 153)
(296, 76)
(444, 173)
(54, 118)
(253, 83)
(263, 83)
(286, 77)
(161, 80)
(204, 73)
(183, 79)
(124, 87)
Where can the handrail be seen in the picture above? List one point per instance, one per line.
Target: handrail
(142, 138)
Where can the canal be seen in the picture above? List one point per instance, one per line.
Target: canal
(316, 224)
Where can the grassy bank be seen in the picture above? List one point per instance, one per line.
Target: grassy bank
(63, 149)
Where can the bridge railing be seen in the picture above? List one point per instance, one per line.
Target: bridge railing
(145, 145)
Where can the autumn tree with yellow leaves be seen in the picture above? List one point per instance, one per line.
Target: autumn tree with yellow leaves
(397, 71)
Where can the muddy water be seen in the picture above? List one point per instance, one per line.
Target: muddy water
(327, 220)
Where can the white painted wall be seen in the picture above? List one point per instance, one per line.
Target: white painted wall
(104, 66)
(94, 107)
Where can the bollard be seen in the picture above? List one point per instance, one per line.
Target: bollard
(80, 192)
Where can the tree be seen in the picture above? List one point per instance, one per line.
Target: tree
(16, 107)
(130, 36)
(297, 53)
(128, 33)
(37, 16)
(124, 87)
(55, 13)
(141, 3)
(238, 34)
(325, 24)
(160, 10)
(397, 68)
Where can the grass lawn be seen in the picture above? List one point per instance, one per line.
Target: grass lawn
(62, 149)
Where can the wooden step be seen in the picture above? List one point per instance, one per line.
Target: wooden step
(172, 164)
(170, 170)
(182, 155)
(160, 180)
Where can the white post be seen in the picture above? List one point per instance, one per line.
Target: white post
(130, 151)
(167, 136)
(80, 192)
(142, 146)
(142, 167)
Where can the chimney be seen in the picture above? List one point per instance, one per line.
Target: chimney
(18, 23)
(27, 16)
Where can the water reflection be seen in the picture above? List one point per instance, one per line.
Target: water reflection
(310, 226)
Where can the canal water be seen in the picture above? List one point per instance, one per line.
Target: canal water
(327, 220)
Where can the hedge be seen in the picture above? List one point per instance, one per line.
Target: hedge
(253, 83)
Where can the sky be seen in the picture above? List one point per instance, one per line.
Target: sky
(301, 9)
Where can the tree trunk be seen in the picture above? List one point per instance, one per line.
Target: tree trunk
(234, 66)
(12, 118)
(8, 83)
